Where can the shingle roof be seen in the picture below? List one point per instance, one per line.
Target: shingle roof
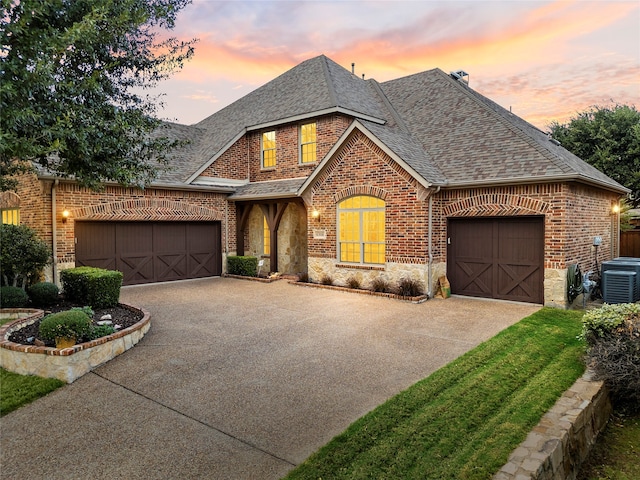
(448, 133)
(270, 189)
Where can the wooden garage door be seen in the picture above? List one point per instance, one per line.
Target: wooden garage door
(497, 258)
(148, 252)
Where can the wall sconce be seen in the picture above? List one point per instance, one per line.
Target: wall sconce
(315, 214)
(615, 208)
(65, 215)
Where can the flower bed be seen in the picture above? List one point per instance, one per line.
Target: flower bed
(66, 364)
(362, 291)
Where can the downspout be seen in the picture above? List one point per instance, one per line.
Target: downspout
(430, 249)
(54, 233)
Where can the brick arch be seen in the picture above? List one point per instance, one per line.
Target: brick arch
(499, 205)
(146, 209)
(368, 190)
(9, 200)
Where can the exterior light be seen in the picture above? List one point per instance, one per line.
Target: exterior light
(615, 208)
(315, 214)
(65, 215)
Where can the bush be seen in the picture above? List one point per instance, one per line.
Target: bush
(408, 287)
(99, 331)
(242, 265)
(353, 282)
(326, 280)
(13, 297)
(93, 286)
(379, 284)
(613, 336)
(44, 294)
(22, 255)
(72, 323)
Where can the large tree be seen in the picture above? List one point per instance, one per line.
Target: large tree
(71, 77)
(609, 139)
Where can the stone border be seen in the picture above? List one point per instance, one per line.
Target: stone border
(253, 279)
(362, 291)
(559, 444)
(66, 364)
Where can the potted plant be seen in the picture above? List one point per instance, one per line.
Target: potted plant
(65, 328)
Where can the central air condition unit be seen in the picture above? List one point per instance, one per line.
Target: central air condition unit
(618, 286)
(625, 265)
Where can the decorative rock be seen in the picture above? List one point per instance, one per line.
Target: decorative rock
(105, 322)
(31, 339)
(117, 327)
(105, 317)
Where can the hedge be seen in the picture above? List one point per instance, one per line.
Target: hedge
(92, 286)
(242, 265)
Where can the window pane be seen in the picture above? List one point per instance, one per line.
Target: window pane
(266, 247)
(308, 143)
(373, 226)
(269, 149)
(349, 227)
(361, 225)
(11, 216)
(350, 252)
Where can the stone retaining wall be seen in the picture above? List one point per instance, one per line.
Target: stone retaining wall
(557, 446)
(66, 364)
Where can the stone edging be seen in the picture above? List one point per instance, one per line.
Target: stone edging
(66, 364)
(253, 279)
(361, 291)
(557, 446)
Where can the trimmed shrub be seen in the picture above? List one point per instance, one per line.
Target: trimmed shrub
(44, 294)
(72, 323)
(326, 280)
(99, 331)
(13, 297)
(613, 337)
(408, 287)
(353, 282)
(22, 255)
(242, 265)
(97, 287)
(379, 284)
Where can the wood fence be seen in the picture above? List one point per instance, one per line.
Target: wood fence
(630, 243)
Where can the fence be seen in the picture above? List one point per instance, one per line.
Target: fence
(630, 243)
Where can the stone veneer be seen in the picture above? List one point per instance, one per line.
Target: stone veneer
(557, 446)
(67, 364)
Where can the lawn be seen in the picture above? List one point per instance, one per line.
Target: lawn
(464, 420)
(17, 390)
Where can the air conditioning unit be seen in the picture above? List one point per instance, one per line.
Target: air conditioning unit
(622, 264)
(619, 286)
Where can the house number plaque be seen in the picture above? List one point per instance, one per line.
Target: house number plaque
(319, 234)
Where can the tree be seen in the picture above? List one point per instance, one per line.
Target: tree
(68, 79)
(22, 255)
(609, 139)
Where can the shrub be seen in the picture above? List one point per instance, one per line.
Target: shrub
(44, 294)
(326, 280)
(94, 286)
(353, 282)
(99, 331)
(303, 277)
(71, 323)
(22, 255)
(13, 297)
(408, 287)
(613, 337)
(242, 265)
(379, 284)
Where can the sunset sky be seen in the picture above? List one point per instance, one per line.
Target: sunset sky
(547, 60)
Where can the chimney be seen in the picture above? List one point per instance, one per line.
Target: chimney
(353, 68)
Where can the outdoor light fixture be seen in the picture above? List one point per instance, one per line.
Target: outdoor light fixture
(615, 208)
(315, 214)
(65, 215)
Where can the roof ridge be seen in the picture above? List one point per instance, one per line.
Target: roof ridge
(327, 76)
(394, 113)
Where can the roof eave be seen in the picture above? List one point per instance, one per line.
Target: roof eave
(533, 180)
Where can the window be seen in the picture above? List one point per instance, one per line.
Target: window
(308, 143)
(266, 242)
(269, 149)
(11, 216)
(361, 230)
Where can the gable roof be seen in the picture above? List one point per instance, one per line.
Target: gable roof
(445, 133)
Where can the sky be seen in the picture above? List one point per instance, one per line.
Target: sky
(546, 60)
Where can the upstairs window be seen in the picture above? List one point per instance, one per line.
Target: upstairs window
(308, 143)
(361, 222)
(266, 239)
(11, 216)
(269, 149)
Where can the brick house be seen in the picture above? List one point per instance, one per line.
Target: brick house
(323, 172)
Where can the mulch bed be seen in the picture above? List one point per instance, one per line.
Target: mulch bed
(120, 315)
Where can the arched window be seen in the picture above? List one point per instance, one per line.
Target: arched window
(361, 230)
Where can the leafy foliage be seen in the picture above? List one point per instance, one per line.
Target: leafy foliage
(13, 297)
(600, 322)
(22, 255)
(609, 139)
(99, 331)
(97, 287)
(242, 265)
(68, 324)
(67, 78)
(408, 287)
(44, 293)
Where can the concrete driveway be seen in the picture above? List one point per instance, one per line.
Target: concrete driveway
(240, 380)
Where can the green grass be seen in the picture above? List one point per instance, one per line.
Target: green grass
(18, 390)
(616, 454)
(463, 421)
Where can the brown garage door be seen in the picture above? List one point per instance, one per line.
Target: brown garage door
(497, 258)
(148, 252)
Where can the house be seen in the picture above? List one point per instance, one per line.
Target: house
(321, 171)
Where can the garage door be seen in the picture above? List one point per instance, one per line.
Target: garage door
(497, 258)
(148, 252)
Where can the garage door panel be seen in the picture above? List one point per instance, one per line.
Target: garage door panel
(497, 258)
(148, 252)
